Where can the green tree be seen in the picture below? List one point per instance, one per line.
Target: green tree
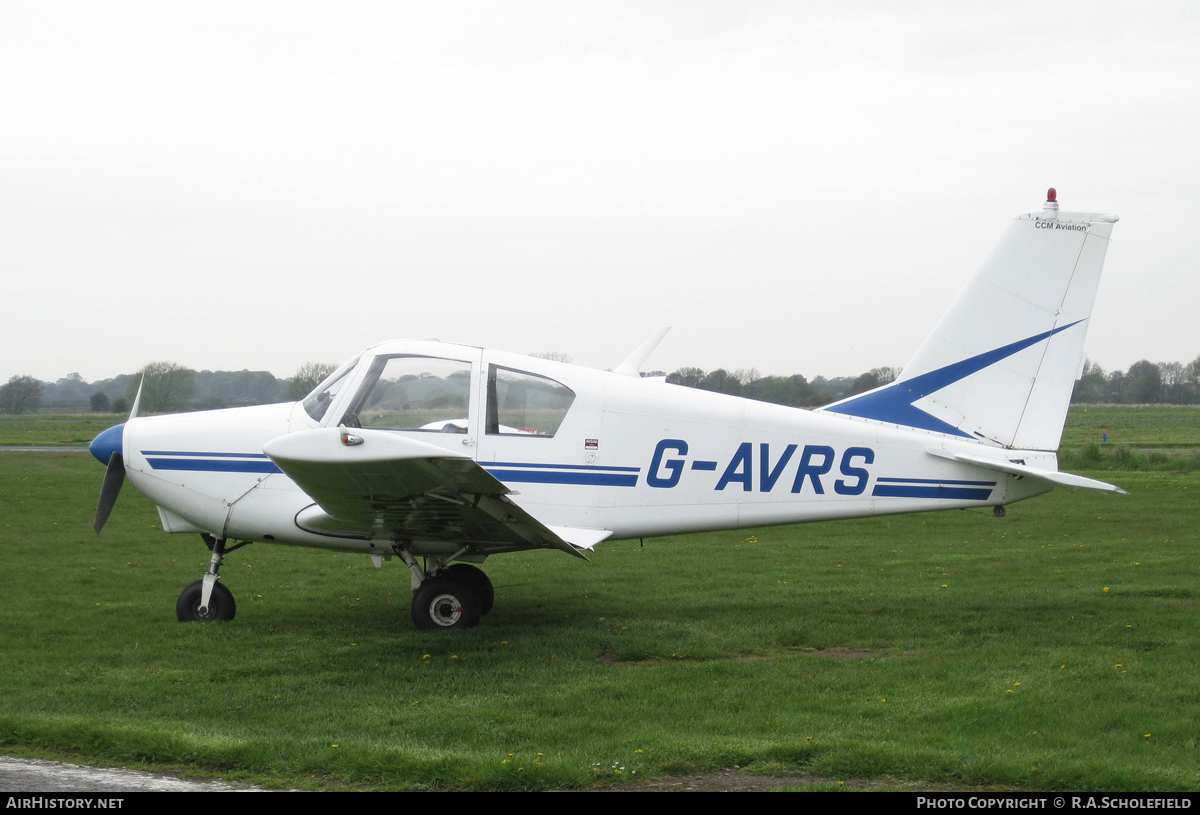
(793, 391)
(167, 387)
(721, 381)
(1174, 382)
(1144, 383)
(99, 402)
(689, 377)
(1193, 371)
(307, 377)
(21, 394)
(1089, 388)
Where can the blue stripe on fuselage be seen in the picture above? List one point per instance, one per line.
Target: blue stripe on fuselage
(210, 462)
(599, 479)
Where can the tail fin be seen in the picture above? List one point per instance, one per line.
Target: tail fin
(1001, 364)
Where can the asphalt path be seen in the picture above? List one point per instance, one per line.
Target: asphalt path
(35, 775)
(15, 449)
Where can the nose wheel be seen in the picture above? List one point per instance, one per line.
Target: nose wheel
(220, 606)
(206, 599)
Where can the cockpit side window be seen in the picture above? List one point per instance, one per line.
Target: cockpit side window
(317, 402)
(413, 393)
(525, 404)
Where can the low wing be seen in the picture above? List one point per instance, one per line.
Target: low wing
(391, 486)
(1025, 471)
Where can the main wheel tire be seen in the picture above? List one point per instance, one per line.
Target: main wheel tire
(443, 602)
(477, 579)
(221, 606)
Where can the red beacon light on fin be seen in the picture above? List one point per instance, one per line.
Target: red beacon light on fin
(1050, 210)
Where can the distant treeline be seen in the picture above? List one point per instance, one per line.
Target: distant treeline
(794, 390)
(178, 388)
(212, 389)
(1145, 383)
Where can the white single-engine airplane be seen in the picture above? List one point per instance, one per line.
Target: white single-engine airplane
(444, 454)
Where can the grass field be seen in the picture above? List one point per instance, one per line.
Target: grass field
(1051, 649)
(1164, 438)
(67, 430)
(1139, 426)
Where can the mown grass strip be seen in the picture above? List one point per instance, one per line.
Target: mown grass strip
(1051, 649)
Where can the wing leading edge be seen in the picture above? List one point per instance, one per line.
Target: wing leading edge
(391, 486)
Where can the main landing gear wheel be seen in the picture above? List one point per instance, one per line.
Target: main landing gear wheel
(443, 602)
(220, 607)
(477, 579)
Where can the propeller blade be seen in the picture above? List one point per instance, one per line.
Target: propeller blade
(114, 477)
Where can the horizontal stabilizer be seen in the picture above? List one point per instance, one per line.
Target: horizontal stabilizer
(1025, 471)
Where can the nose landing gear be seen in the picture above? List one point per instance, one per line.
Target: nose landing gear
(206, 599)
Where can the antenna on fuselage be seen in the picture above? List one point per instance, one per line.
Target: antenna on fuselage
(632, 366)
(137, 400)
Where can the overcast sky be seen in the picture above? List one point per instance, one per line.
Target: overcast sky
(799, 187)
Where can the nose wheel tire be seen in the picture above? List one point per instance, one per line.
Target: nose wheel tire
(477, 579)
(441, 603)
(221, 606)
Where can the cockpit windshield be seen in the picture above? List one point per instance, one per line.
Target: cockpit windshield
(317, 402)
(409, 392)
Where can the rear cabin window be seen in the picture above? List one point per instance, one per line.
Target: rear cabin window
(413, 393)
(525, 404)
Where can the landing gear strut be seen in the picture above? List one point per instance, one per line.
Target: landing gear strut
(206, 599)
